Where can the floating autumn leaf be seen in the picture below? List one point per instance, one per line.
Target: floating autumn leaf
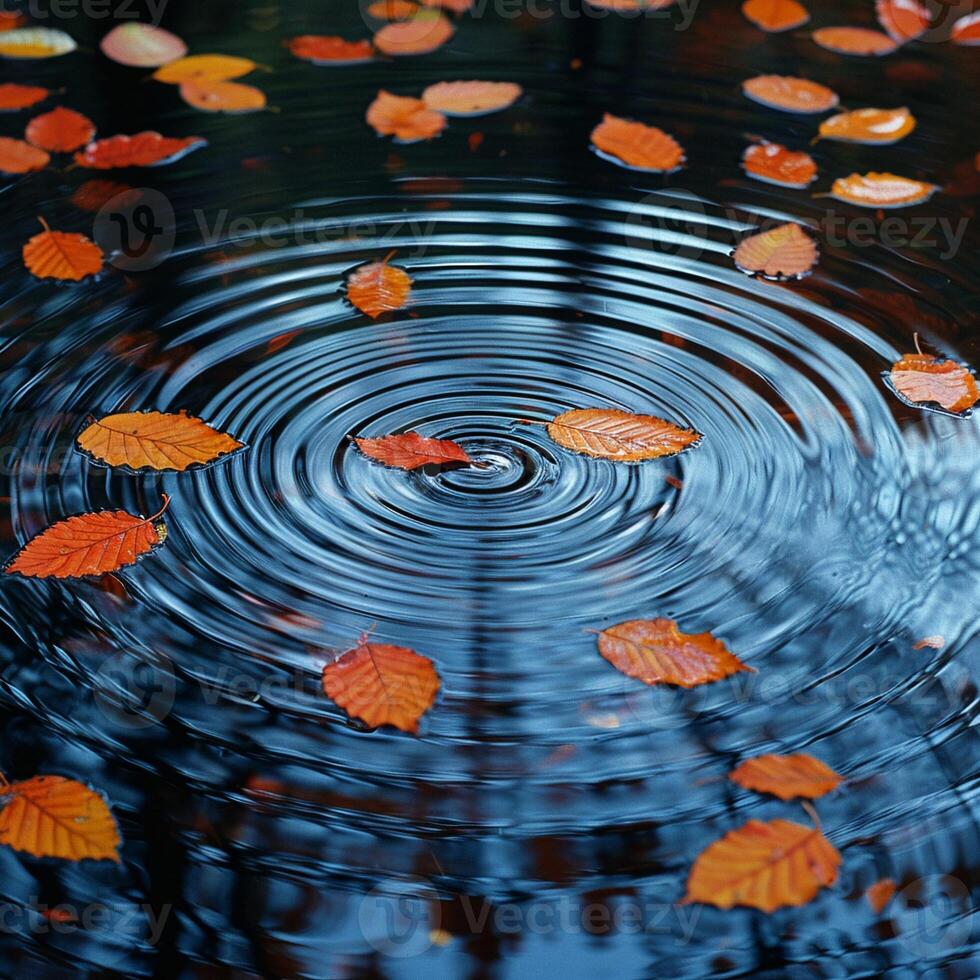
(411, 451)
(933, 642)
(60, 130)
(471, 98)
(408, 120)
(35, 42)
(786, 776)
(155, 441)
(880, 894)
(609, 433)
(775, 15)
(231, 97)
(904, 20)
(50, 816)
(854, 40)
(90, 544)
(94, 195)
(382, 685)
(966, 30)
(784, 252)
(18, 157)
(324, 49)
(655, 651)
(392, 9)
(147, 149)
(636, 145)
(790, 94)
(874, 190)
(62, 255)
(420, 35)
(766, 866)
(872, 126)
(377, 287)
(9, 19)
(204, 68)
(454, 6)
(142, 45)
(775, 164)
(14, 97)
(921, 380)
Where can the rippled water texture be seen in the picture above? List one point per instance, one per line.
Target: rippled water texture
(821, 528)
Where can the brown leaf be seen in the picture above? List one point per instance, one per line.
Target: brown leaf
(776, 164)
(790, 94)
(60, 130)
(18, 157)
(377, 287)
(408, 120)
(881, 190)
(921, 379)
(775, 15)
(766, 866)
(637, 145)
(785, 252)
(608, 433)
(62, 255)
(786, 776)
(854, 40)
(876, 127)
(655, 651)
(411, 450)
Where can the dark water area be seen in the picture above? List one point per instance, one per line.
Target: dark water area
(544, 821)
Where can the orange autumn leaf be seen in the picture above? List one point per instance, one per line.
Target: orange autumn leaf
(609, 433)
(655, 651)
(637, 145)
(89, 544)
(880, 894)
(155, 441)
(872, 126)
(885, 190)
(50, 816)
(471, 98)
(784, 252)
(9, 19)
(377, 287)
(854, 40)
(14, 97)
(382, 685)
(147, 149)
(408, 120)
(790, 94)
(94, 195)
(18, 157)
(775, 164)
(766, 866)
(454, 6)
(775, 15)
(933, 642)
(411, 450)
(62, 255)
(966, 30)
(420, 35)
(60, 130)
(231, 97)
(921, 379)
(786, 776)
(392, 9)
(204, 68)
(323, 49)
(904, 20)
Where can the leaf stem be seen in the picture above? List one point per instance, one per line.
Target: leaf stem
(161, 511)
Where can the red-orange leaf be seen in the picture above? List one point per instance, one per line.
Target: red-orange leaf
(408, 120)
(323, 49)
(655, 651)
(766, 866)
(392, 9)
(455, 6)
(876, 127)
(775, 164)
(146, 149)
(382, 685)
(471, 98)
(874, 190)
(636, 145)
(790, 94)
(904, 20)
(610, 433)
(14, 97)
(50, 816)
(785, 252)
(89, 544)
(921, 379)
(854, 40)
(60, 130)
(933, 642)
(62, 255)
(411, 450)
(880, 894)
(967, 30)
(420, 35)
(93, 195)
(775, 15)
(155, 441)
(786, 776)
(231, 97)
(18, 157)
(376, 288)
